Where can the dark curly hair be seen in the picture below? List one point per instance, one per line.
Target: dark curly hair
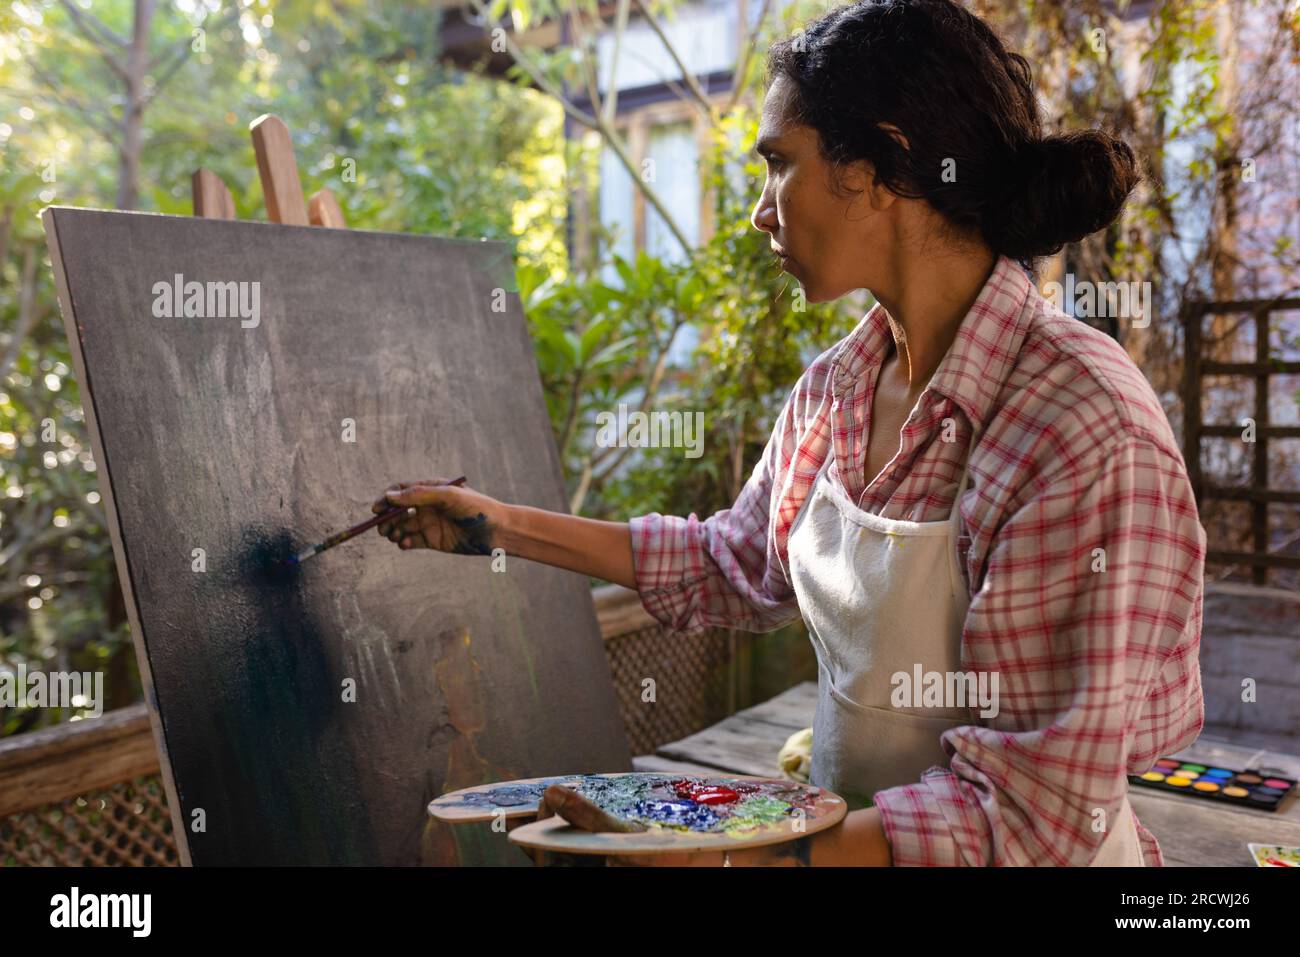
(944, 79)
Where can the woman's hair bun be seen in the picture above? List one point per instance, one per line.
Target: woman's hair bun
(1058, 189)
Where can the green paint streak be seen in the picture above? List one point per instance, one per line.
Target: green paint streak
(755, 811)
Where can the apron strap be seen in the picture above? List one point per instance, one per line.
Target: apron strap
(955, 514)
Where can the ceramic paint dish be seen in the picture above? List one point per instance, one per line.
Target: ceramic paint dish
(1274, 855)
(1264, 788)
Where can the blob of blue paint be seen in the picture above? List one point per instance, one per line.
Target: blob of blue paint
(688, 814)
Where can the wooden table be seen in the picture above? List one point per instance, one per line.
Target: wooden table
(1192, 833)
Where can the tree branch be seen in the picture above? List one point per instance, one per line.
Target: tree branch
(15, 589)
(620, 27)
(100, 36)
(589, 77)
(742, 67)
(6, 226)
(592, 122)
(691, 83)
(177, 61)
(652, 390)
(183, 52)
(26, 296)
(542, 81)
(26, 533)
(87, 113)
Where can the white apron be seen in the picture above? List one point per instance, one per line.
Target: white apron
(881, 596)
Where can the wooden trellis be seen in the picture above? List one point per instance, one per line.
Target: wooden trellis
(1259, 493)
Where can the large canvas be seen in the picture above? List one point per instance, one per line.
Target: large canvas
(325, 364)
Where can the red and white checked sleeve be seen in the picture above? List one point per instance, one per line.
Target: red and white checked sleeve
(1098, 667)
(722, 571)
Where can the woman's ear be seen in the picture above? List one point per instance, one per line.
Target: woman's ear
(874, 191)
(860, 176)
(859, 180)
(882, 197)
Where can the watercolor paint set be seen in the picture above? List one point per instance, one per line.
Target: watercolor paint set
(1266, 788)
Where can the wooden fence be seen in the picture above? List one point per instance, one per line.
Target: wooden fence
(1259, 493)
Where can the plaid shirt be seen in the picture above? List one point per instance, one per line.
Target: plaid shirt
(1098, 666)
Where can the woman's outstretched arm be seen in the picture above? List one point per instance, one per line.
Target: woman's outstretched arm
(459, 519)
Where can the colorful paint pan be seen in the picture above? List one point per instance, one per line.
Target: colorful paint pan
(1265, 789)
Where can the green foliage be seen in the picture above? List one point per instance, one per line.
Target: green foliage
(55, 558)
(362, 90)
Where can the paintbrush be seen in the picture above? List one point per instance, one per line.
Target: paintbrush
(355, 530)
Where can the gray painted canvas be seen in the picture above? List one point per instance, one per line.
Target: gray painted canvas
(228, 433)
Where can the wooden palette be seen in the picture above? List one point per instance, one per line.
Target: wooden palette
(764, 811)
(479, 804)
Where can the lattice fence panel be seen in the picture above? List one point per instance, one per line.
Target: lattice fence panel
(691, 675)
(125, 825)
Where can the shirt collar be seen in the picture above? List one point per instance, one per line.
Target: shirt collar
(982, 353)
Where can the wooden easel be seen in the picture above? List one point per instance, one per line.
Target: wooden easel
(281, 187)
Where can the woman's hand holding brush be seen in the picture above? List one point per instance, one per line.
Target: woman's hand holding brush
(450, 518)
(441, 515)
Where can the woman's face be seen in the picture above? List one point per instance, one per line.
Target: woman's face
(829, 240)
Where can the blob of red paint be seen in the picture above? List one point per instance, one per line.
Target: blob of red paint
(702, 793)
(717, 795)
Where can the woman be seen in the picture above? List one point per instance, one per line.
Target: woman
(968, 483)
